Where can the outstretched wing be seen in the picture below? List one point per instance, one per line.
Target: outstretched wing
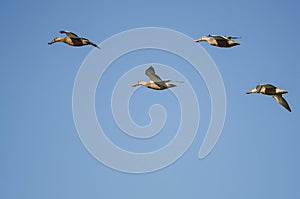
(93, 44)
(231, 37)
(150, 72)
(282, 101)
(220, 38)
(69, 34)
(268, 86)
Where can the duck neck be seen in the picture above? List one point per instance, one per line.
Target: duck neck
(142, 82)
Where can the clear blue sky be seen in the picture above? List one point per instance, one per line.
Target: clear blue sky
(42, 156)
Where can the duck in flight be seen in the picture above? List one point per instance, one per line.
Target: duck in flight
(155, 81)
(276, 93)
(220, 41)
(72, 39)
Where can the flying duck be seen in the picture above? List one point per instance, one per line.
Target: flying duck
(276, 93)
(220, 41)
(72, 39)
(155, 81)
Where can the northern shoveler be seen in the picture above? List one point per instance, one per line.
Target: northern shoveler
(220, 41)
(73, 40)
(276, 93)
(156, 82)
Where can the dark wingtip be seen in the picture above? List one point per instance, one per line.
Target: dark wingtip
(62, 32)
(95, 45)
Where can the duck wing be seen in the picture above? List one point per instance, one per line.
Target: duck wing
(269, 89)
(231, 37)
(150, 72)
(93, 44)
(69, 34)
(220, 38)
(282, 101)
(268, 86)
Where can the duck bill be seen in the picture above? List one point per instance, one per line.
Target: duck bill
(251, 91)
(198, 40)
(51, 42)
(135, 84)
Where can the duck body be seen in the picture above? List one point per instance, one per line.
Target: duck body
(155, 85)
(267, 89)
(276, 93)
(73, 40)
(219, 41)
(155, 82)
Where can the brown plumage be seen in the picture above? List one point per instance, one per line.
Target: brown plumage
(156, 82)
(220, 41)
(72, 39)
(276, 93)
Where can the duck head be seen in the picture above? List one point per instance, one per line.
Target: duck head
(254, 90)
(56, 39)
(140, 82)
(203, 38)
(257, 89)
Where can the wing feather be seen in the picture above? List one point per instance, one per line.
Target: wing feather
(150, 72)
(220, 38)
(70, 34)
(282, 101)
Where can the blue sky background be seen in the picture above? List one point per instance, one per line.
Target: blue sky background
(257, 155)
